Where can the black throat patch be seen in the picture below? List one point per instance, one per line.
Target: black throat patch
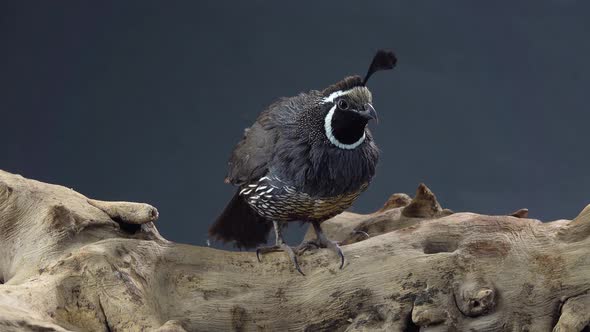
(348, 127)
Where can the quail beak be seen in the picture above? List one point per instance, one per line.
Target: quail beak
(369, 113)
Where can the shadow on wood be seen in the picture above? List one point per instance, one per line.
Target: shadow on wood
(68, 262)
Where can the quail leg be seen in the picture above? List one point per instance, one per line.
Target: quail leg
(280, 245)
(321, 242)
(306, 245)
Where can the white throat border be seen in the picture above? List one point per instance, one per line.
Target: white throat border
(332, 138)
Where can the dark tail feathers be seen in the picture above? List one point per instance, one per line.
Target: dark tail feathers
(240, 223)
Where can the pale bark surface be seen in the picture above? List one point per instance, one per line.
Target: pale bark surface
(70, 263)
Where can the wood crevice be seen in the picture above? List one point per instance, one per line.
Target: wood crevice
(421, 268)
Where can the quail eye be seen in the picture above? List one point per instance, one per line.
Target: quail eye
(342, 104)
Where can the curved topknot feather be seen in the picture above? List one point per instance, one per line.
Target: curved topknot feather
(383, 60)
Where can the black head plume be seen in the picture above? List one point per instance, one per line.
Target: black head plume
(383, 60)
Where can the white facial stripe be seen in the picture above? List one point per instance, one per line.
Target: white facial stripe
(334, 95)
(332, 138)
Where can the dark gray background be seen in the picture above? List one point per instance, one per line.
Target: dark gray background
(143, 101)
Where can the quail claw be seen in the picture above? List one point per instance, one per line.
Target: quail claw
(282, 247)
(362, 233)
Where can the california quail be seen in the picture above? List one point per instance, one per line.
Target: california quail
(306, 158)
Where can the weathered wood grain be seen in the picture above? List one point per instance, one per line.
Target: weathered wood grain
(71, 263)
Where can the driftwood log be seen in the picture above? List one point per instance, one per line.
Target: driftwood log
(68, 262)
